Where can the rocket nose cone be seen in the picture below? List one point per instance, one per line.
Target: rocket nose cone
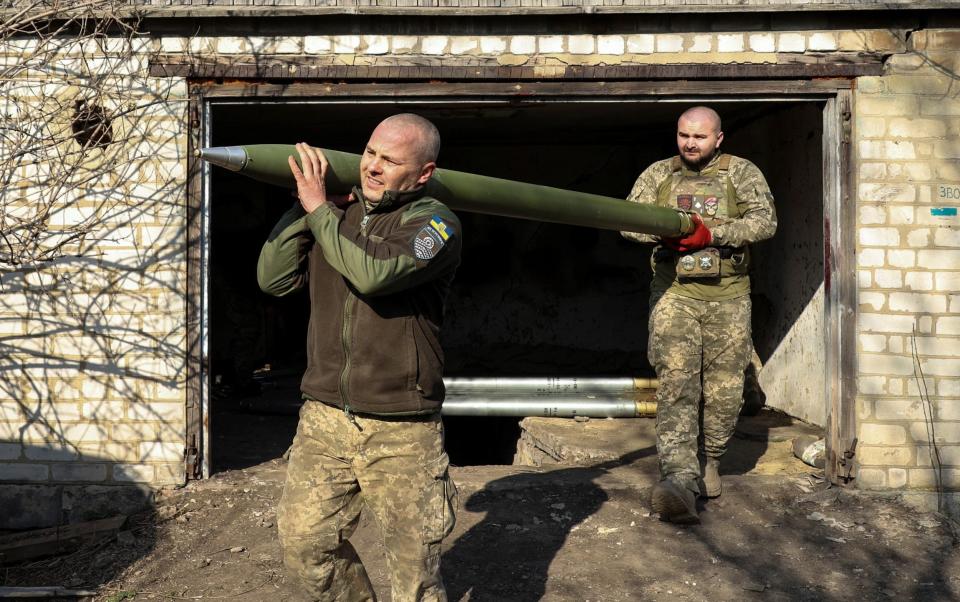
(233, 158)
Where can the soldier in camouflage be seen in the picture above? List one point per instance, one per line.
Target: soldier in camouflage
(378, 270)
(700, 339)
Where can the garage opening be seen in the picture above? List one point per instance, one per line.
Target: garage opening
(530, 299)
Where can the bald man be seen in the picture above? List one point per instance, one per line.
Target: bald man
(370, 436)
(700, 341)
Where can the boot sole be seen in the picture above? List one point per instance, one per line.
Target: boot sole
(669, 505)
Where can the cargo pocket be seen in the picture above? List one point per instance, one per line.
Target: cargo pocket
(439, 502)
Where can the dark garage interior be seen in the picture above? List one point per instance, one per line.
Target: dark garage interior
(530, 298)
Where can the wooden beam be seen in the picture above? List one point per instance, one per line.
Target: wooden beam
(309, 68)
(522, 90)
(55, 540)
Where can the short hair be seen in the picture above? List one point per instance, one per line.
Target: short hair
(701, 111)
(428, 145)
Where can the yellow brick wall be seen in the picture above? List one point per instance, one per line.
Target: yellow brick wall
(907, 129)
(92, 385)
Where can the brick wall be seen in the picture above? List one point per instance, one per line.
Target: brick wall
(93, 342)
(908, 143)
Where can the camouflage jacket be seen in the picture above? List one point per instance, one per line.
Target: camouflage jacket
(378, 278)
(757, 221)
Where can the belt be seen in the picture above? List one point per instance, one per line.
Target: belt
(665, 253)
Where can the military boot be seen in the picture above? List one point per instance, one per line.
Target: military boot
(710, 485)
(674, 503)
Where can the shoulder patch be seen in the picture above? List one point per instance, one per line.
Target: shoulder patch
(431, 238)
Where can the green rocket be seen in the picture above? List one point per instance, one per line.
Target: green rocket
(465, 191)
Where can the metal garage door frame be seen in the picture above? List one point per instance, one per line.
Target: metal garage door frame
(838, 206)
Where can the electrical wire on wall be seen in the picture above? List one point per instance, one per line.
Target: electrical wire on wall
(928, 416)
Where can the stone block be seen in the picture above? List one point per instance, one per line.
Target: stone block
(871, 127)
(375, 44)
(948, 387)
(701, 43)
(523, 45)
(78, 472)
(762, 42)
(550, 44)
(921, 85)
(404, 44)
(887, 193)
(902, 127)
(864, 279)
(580, 44)
(921, 303)
(899, 258)
(10, 451)
(877, 322)
(948, 281)
(946, 149)
(730, 42)
(669, 42)
(886, 105)
(884, 456)
(613, 45)
(872, 214)
(138, 473)
(161, 452)
(349, 44)
(492, 45)
(18, 471)
(317, 44)
(942, 432)
(941, 366)
(871, 478)
(871, 40)
(879, 237)
(901, 215)
(939, 106)
(872, 300)
(939, 259)
(872, 385)
(791, 42)
(882, 434)
(936, 39)
(869, 258)
(919, 238)
(900, 149)
(434, 45)
(896, 478)
(899, 409)
(891, 365)
(56, 452)
(918, 281)
(822, 42)
(643, 43)
(873, 171)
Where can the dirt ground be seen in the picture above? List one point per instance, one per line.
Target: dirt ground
(553, 532)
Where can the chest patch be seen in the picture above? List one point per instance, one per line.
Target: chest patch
(431, 238)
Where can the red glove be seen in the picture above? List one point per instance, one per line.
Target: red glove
(696, 240)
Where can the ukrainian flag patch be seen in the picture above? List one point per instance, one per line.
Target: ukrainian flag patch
(431, 238)
(441, 227)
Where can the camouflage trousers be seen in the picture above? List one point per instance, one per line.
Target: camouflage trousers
(397, 469)
(700, 350)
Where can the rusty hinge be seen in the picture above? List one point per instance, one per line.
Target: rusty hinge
(191, 456)
(846, 462)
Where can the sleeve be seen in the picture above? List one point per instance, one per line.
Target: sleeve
(758, 217)
(282, 266)
(424, 246)
(644, 191)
